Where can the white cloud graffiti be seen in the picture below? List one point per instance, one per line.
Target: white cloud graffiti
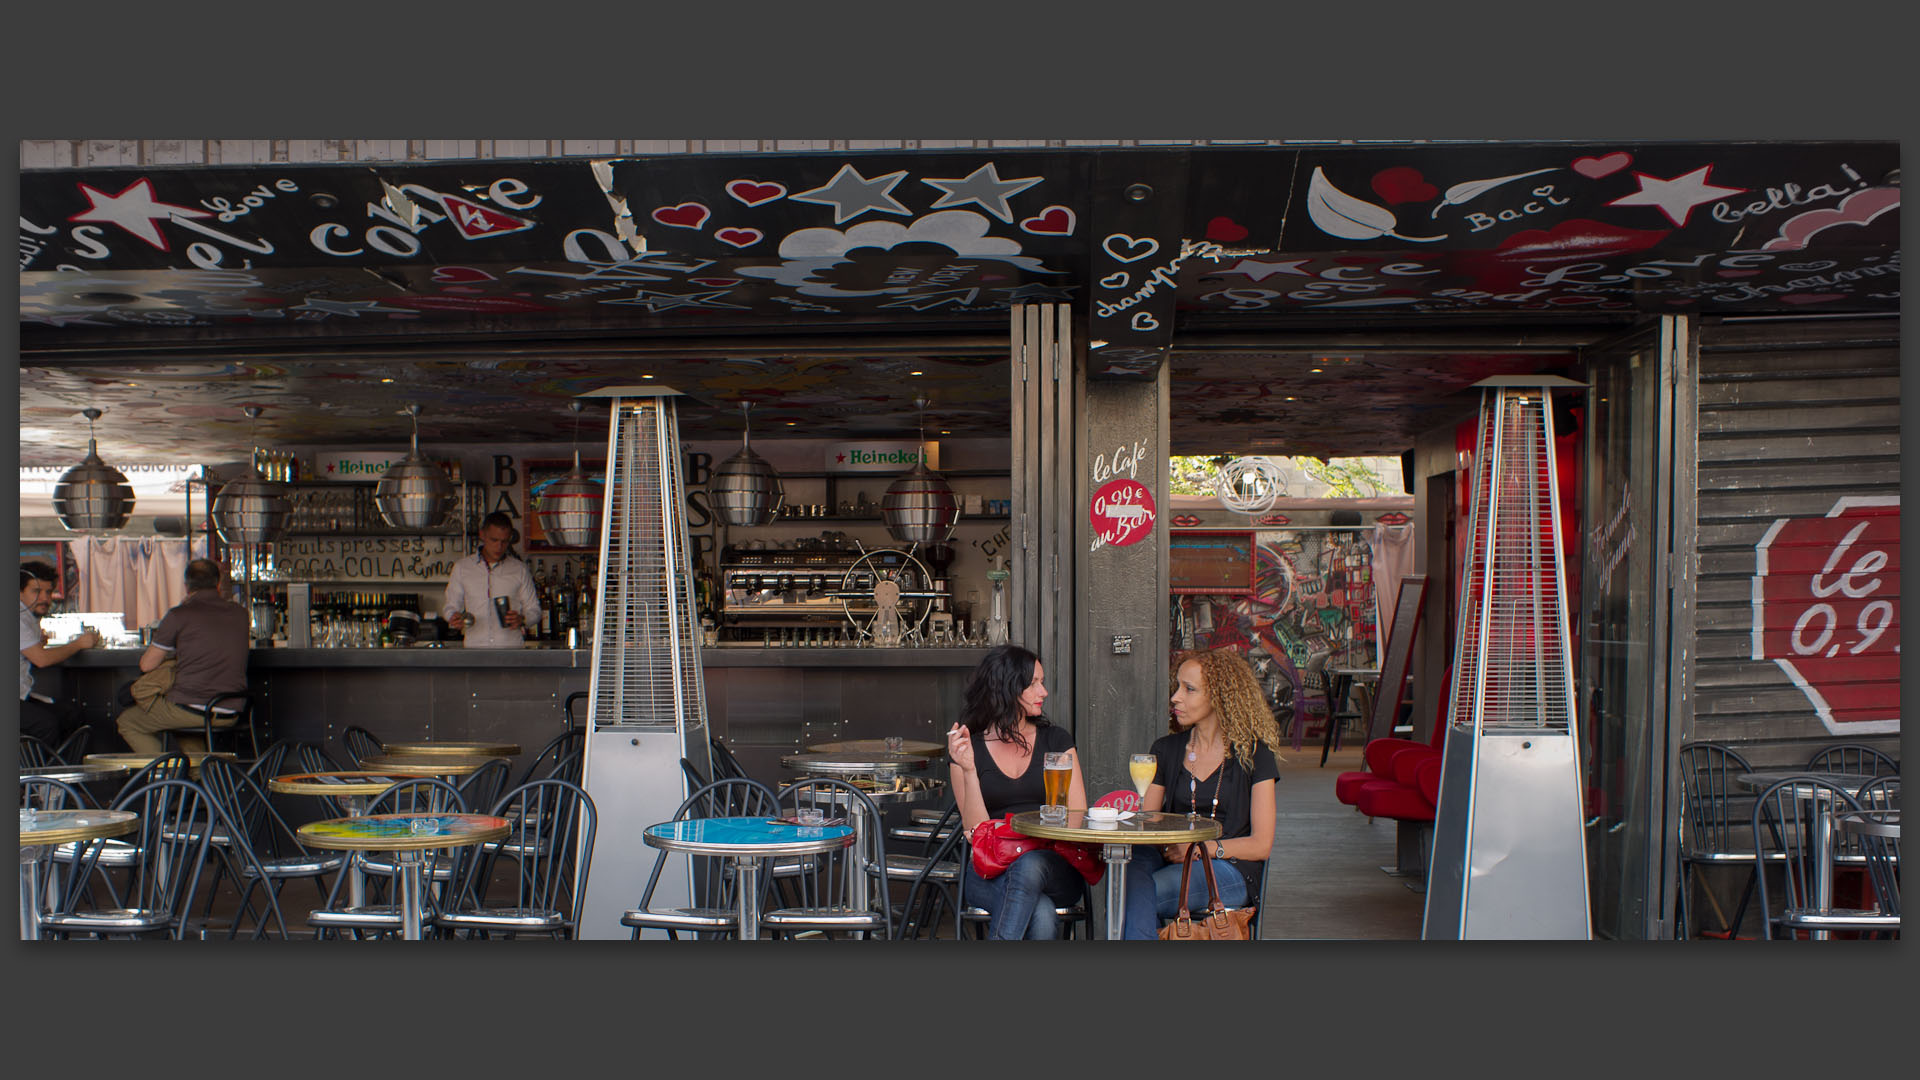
(813, 251)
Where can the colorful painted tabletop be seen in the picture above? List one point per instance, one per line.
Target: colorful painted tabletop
(403, 832)
(746, 836)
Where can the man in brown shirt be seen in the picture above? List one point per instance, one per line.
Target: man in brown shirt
(206, 636)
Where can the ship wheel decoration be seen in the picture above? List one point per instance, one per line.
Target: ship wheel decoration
(887, 595)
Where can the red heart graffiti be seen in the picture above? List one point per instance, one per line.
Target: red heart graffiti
(1225, 230)
(753, 192)
(460, 273)
(1593, 168)
(688, 215)
(1403, 183)
(739, 237)
(1053, 221)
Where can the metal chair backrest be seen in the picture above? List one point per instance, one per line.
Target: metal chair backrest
(419, 795)
(1880, 793)
(168, 766)
(830, 884)
(1853, 759)
(567, 707)
(361, 744)
(243, 803)
(552, 841)
(1787, 818)
(725, 765)
(1715, 813)
(73, 748)
(1883, 869)
(694, 780)
(711, 881)
(176, 821)
(484, 785)
(35, 754)
(927, 900)
(313, 758)
(547, 762)
(241, 702)
(46, 793)
(268, 763)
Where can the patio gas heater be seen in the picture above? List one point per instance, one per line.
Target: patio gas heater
(646, 701)
(1509, 853)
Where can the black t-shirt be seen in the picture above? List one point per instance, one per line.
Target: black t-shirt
(1235, 785)
(1005, 794)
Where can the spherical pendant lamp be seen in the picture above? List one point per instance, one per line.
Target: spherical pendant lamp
(919, 507)
(414, 493)
(570, 508)
(745, 489)
(93, 495)
(251, 509)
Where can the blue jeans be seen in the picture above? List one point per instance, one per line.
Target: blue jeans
(1151, 875)
(1023, 896)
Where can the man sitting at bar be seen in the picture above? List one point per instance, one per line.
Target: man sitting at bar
(206, 637)
(41, 716)
(490, 595)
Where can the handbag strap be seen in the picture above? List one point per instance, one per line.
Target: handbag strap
(1198, 850)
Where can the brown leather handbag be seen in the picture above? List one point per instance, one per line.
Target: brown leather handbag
(1218, 922)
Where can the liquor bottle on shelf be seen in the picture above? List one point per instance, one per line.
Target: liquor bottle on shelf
(539, 628)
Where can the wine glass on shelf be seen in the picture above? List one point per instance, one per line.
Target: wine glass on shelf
(1140, 768)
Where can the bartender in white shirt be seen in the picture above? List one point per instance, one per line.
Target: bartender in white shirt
(478, 579)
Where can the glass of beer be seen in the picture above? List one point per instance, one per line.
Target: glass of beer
(1140, 769)
(1058, 777)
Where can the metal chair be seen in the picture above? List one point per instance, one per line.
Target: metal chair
(710, 881)
(548, 761)
(429, 795)
(826, 897)
(1715, 816)
(552, 845)
(35, 754)
(933, 887)
(46, 793)
(1883, 869)
(567, 707)
(361, 744)
(725, 765)
(1880, 793)
(176, 818)
(248, 813)
(117, 854)
(1074, 918)
(267, 764)
(73, 748)
(483, 786)
(1853, 759)
(1790, 823)
(694, 780)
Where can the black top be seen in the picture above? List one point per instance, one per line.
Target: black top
(1004, 794)
(1235, 786)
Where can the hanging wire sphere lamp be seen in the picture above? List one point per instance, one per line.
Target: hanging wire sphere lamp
(919, 506)
(745, 490)
(251, 509)
(414, 493)
(92, 495)
(570, 507)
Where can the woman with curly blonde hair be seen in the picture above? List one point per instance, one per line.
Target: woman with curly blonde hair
(1217, 762)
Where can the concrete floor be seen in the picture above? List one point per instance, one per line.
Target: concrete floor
(1324, 880)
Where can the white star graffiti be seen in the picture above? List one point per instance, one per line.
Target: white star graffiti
(134, 210)
(1677, 197)
(351, 308)
(851, 194)
(1261, 271)
(984, 187)
(657, 302)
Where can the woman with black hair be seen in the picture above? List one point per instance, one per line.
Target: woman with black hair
(997, 756)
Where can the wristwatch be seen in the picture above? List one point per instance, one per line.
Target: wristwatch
(1219, 849)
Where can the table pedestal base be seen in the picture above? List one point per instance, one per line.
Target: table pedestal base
(30, 891)
(1116, 857)
(746, 899)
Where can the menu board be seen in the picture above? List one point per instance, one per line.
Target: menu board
(1212, 562)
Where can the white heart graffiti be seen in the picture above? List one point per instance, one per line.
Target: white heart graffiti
(1115, 281)
(1136, 248)
(1143, 322)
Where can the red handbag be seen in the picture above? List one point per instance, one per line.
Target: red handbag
(996, 845)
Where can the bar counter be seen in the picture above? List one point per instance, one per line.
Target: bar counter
(764, 702)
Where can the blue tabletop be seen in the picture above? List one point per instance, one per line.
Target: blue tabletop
(746, 835)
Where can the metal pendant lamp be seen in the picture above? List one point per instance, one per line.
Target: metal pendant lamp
(745, 489)
(93, 494)
(414, 493)
(252, 509)
(919, 507)
(570, 508)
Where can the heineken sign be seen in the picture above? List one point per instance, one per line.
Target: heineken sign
(880, 457)
(360, 465)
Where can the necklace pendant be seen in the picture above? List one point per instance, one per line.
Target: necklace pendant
(1193, 755)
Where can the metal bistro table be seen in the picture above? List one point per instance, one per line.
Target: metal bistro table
(879, 746)
(744, 841)
(141, 761)
(426, 764)
(396, 833)
(1818, 814)
(51, 828)
(449, 749)
(79, 774)
(1116, 842)
(352, 791)
(881, 765)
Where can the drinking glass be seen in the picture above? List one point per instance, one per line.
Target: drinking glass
(1140, 768)
(1058, 778)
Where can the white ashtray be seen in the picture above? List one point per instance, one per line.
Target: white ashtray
(1099, 814)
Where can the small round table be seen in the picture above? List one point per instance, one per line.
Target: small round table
(1116, 842)
(879, 746)
(79, 774)
(353, 790)
(744, 841)
(394, 832)
(51, 828)
(141, 761)
(882, 765)
(450, 749)
(426, 764)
